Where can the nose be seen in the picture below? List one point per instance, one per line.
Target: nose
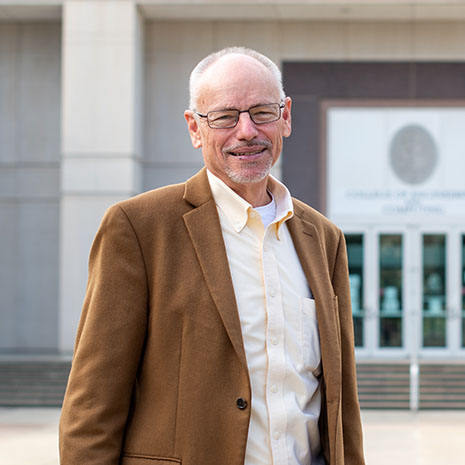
(246, 128)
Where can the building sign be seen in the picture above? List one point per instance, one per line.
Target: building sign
(394, 163)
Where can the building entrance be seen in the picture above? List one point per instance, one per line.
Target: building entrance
(408, 290)
(393, 186)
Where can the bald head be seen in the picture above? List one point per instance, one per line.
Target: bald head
(216, 66)
(234, 77)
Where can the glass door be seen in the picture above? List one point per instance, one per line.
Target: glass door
(391, 302)
(442, 298)
(462, 285)
(434, 303)
(408, 291)
(355, 252)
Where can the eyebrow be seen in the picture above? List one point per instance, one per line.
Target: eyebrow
(252, 106)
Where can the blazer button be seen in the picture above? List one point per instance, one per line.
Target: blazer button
(241, 403)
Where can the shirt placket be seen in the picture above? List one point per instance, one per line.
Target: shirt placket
(275, 347)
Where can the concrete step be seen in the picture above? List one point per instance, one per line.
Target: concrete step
(442, 386)
(383, 385)
(33, 382)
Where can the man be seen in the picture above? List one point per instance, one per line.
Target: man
(217, 327)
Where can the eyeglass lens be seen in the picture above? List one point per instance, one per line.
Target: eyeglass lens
(260, 114)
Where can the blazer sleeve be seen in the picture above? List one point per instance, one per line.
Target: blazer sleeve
(351, 422)
(108, 347)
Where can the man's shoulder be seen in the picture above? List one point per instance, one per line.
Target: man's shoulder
(166, 197)
(155, 206)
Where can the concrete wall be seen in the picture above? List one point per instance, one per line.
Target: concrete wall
(29, 185)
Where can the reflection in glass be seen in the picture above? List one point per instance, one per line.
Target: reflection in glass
(434, 290)
(355, 257)
(390, 288)
(463, 291)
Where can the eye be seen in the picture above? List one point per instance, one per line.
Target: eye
(264, 114)
(218, 116)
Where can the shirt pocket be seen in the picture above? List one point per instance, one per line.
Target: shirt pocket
(311, 353)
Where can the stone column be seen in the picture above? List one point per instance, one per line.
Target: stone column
(101, 134)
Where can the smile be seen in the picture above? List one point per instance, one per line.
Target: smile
(246, 153)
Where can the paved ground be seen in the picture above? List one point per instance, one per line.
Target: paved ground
(407, 438)
(28, 436)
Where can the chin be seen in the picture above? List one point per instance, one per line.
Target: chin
(244, 177)
(249, 174)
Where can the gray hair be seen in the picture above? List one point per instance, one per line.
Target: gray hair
(202, 66)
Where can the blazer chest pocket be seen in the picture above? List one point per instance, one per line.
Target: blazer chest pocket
(311, 353)
(143, 459)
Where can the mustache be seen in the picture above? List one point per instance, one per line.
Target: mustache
(252, 143)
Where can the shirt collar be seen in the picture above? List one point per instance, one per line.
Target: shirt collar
(237, 210)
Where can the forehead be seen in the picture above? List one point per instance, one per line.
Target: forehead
(236, 81)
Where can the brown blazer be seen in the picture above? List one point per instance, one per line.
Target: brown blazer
(159, 362)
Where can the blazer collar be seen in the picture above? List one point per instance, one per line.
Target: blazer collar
(197, 189)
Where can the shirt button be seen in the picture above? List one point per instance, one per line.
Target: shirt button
(276, 435)
(274, 388)
(272, 292)
(241, 403)
(274, 340)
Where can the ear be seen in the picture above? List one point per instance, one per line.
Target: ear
(193, 128)
(286, 116)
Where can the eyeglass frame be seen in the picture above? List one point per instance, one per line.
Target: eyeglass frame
(281, 106)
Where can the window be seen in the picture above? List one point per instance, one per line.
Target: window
(390, 290)
(434, 290)
(355, 257)
(463, 291)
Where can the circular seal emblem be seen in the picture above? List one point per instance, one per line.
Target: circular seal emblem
(413, 154)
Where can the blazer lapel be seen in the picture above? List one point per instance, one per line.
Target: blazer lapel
(205, 233)
(307, 244)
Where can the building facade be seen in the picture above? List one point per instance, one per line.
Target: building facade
(92, 95)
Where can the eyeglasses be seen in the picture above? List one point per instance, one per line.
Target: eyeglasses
(259, 114)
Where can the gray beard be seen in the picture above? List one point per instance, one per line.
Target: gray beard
(243, 178)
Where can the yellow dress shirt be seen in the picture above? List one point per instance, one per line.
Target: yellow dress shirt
(279, 329)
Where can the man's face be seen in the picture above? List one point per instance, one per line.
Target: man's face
(245, 153)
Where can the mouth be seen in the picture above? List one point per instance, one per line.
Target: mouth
(246, 152)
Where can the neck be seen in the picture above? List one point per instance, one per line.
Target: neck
(253, 192)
